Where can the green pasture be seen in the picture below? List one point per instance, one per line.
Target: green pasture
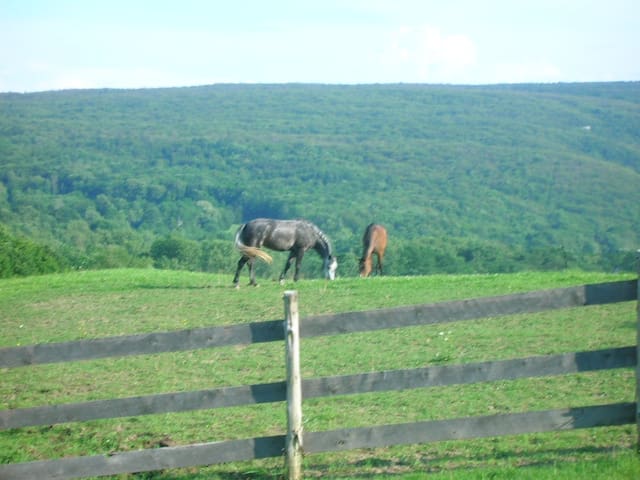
(92, 304)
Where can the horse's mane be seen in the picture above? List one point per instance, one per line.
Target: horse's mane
(320, 234)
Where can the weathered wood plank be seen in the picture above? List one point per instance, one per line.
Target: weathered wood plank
(147, 343)
(317, 442)
(144, 405)
(611, 292)
(147, 460)
(471, 427)
(539, 366)
(269, 331)
(443, 375)
(459, 310)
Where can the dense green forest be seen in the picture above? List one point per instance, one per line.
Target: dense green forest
(465, 178)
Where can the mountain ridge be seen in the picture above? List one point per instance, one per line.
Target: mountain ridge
(522, 166)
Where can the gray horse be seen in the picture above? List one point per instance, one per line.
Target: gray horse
(294, 236)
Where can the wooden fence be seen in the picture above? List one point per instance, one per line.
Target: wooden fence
(336, 440)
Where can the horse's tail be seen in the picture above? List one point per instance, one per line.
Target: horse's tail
(251, 251)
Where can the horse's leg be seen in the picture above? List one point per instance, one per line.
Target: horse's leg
(252, 272)
(298, 263)
(372, 269)
(241, 263)
(287, 265)
(379, 267)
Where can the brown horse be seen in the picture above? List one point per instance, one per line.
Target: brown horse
(374, 240)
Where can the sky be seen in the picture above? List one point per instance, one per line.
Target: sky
(77, 44)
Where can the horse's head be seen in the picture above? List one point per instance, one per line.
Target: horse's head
(330, 267)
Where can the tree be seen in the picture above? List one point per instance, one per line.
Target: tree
(174, 252)
(21, 257)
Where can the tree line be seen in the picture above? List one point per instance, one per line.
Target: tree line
(20, 256)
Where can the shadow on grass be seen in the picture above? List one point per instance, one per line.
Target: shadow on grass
(192, 474)
(223, 286)
(433, 464)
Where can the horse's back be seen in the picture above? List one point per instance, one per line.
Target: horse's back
(281, 235)
(376, 236)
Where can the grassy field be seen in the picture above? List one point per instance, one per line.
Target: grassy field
(103, 303)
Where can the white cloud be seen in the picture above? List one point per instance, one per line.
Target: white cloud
(451, 51)
(429, 53)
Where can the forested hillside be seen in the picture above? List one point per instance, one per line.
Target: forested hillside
(486, 178)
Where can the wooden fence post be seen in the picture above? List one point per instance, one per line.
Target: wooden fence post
(294, 386)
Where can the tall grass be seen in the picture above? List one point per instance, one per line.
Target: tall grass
(102, 303)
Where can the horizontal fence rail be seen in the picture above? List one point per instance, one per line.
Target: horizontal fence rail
(455, 311)
(147, 460)
(471, 427)
(142, 344)
(318, 442)
(343, 439)
(320, 325)
(537, 366)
